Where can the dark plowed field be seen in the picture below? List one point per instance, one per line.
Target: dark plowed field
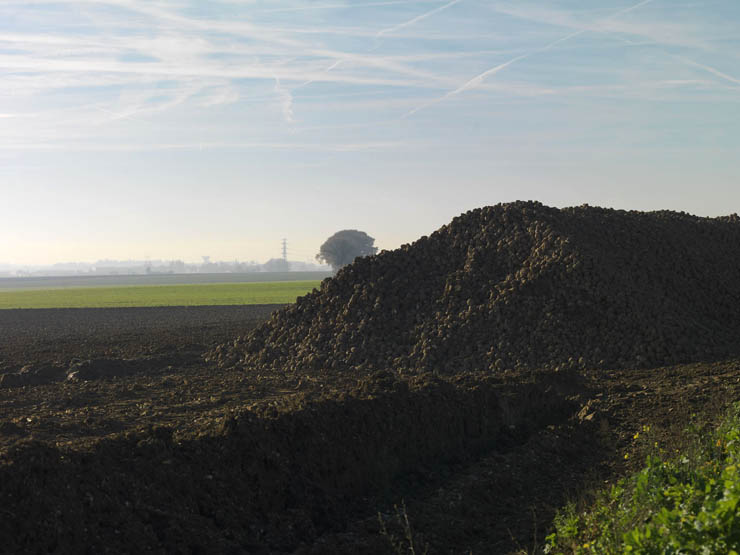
(115, 436)
(74, 374)
(59, 335)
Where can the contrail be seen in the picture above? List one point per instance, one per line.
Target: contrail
(478, 79)
(474, 82)
(416, 19)
(627, 10)
(336, 64)
(710, 69)
(563, 39)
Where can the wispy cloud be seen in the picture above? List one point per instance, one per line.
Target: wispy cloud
(286, 101)
(150, 147)
(136, 67)
(343, 6)
(202, 69)
(221, 93)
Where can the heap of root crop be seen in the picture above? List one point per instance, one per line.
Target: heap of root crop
(519, 285)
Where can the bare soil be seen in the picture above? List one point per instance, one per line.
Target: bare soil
(116, 436)
(60, 335)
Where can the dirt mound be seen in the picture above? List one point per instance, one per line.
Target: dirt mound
(33, 374)
(86, 370)
(519, 285)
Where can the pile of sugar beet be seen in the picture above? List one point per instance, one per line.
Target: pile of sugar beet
(518, 285)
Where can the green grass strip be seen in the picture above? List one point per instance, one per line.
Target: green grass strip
(687, 503)
(159, 295)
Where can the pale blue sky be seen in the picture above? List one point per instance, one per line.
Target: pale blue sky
(173, 129)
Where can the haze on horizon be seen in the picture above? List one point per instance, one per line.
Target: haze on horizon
(172, 129)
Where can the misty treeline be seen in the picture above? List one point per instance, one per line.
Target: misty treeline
(141, 267)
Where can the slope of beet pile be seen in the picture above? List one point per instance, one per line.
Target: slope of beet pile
(519, 285)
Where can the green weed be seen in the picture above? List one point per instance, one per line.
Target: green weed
(687, 503)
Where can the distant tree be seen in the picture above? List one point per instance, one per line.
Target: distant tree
(276, 265)
(344, 246)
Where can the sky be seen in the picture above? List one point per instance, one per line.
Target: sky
(175, 129)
